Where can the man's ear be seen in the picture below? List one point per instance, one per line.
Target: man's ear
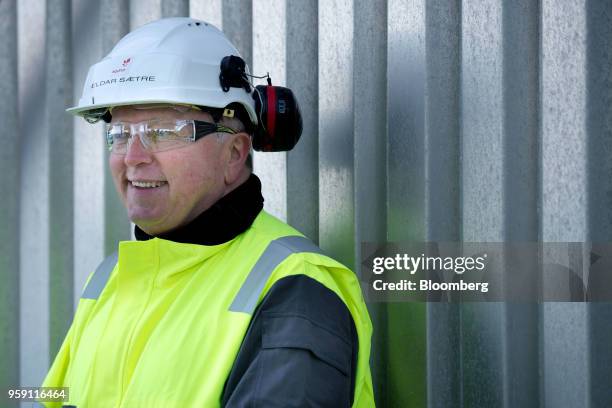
(239, 148)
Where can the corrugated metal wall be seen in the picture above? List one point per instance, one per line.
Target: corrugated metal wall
(480, 120)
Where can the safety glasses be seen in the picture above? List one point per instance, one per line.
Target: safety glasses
(159, 135)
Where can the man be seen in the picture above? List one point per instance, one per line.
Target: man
(216, 303)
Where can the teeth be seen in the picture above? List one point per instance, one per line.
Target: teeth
(147, 184)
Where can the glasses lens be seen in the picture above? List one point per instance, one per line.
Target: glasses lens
(166, 135)
(155, 136)
(117, 136)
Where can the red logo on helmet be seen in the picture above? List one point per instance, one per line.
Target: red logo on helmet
(123, 66)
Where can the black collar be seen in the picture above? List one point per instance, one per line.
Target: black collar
(227, 218)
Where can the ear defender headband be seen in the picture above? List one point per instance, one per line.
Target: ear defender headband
(279, 120)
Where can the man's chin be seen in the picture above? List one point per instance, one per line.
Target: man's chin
(149, 221)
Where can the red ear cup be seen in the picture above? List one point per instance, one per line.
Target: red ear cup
(280, 121)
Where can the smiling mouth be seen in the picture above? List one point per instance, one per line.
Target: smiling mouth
(147, 184)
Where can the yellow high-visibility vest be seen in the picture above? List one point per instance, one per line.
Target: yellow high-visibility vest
(163, 329)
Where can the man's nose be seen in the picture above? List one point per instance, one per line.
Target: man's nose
(136, 153)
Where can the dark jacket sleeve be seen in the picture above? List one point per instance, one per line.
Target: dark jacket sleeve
(300, 350)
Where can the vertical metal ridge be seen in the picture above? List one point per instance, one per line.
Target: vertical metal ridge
(175, 8)
(521, 191)
(302, 77)
(58, 69)
(443, 194)
(482, 122)
(209, 11)
(10, 180)
(564, 193)
(144, 11)
(238, 26)
(521, 119)
(442, 121)
(370, 117)
(406, 151)
(599, 134)
(401, 163)
(336, 130)
(599, 118)
(88, 142)
(34, 192)
(483, 198)
(541, 313)
(269, 55)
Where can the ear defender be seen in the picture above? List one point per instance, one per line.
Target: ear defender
(279, 119)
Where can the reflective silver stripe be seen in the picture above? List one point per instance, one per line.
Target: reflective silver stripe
(276, 252)
(100, 277)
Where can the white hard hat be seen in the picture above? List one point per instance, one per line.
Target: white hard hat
(172, 60)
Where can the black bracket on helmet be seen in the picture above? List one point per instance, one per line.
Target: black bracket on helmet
(233, 74)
